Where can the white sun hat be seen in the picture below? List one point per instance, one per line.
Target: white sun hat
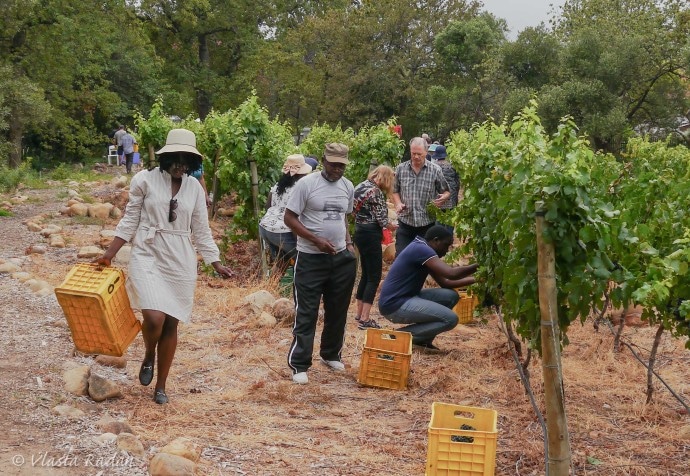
(180, 140)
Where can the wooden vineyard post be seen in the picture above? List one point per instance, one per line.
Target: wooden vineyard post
(559, 457)
(152, 156)
(214, 184)
(255, 201)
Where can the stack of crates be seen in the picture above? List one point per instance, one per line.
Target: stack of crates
(465, 307)
(97, 309)
(462, 441)
(385, 359)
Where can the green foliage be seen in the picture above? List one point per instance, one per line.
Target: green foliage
(249, 135)
(372, 146)
(653, 246)
(154, 129)
(510, 170)
(5, 213)
(11, 177)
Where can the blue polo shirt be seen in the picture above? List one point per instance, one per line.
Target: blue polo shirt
(406, 276)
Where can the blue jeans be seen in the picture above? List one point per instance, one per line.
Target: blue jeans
(427, 314)
(283, 246)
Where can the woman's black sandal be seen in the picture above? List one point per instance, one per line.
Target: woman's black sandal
(146, 373)
(160, 397)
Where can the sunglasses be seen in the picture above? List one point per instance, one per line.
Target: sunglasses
(172, 216)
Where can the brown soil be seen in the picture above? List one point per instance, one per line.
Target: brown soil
(231, 392)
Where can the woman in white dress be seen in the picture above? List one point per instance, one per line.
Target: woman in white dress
(167, 207)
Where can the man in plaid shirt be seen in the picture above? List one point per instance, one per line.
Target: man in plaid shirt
(418, 182)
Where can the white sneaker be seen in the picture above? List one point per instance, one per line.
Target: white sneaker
(334, 364)
(300, 378)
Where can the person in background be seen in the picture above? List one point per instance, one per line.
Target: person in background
(281, 241)
(312, 161)
(452, 179)
(127, 142)
(426, 312)
(325, 265)
(371, 217)
(199, 175)
(418, 182)
(117, 137)
(166, 209)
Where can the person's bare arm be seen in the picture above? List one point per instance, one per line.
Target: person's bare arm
(291, 220)
(450, 276)
(397, 201)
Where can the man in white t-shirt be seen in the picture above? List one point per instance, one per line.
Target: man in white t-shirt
(325, 266)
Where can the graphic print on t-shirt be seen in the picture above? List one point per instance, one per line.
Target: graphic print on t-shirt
(332, 209)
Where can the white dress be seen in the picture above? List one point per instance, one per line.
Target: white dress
(163, 264)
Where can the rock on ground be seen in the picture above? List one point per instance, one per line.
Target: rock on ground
(164, 464)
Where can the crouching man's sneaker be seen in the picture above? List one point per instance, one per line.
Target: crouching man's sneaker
(300, 378)
(334, 364)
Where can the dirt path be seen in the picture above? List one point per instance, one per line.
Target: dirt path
(231, 393)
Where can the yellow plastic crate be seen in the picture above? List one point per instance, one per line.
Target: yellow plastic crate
(385, 359)
(454, 451)
(465, 307)
(97, 309)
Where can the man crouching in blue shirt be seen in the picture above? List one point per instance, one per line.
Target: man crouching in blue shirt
(428, 312)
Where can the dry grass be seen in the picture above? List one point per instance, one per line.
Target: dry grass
(231, 393)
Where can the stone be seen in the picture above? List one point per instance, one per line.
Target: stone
(111, 361)
(105, 438)
(266, 319)
(122, 256)
(88, 252)
(100, 210)
(183, 447)
(68, 411)
(119, 182)
(107, 424)
(37, 249)
(73, 193)
(164, 464)
(73, 201)
(101, 388)
(78, 209)
(116, 213)
(37, 285)
(35, 227)
(77, 380)
(131, 444)
(21, 276)
(9, 268)
(73, 184)
(226, 212)
(50, 230)
(106, 237)
(260, 299)
(16, 200)
(43, 292)
(284, 310)
(57, 241)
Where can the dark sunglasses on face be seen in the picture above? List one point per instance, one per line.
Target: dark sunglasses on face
(172, 216)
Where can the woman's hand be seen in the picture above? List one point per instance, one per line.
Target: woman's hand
(223, 271)
(103, 261)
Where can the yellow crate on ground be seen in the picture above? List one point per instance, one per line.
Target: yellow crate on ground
(465, 306)
(385, 359)
(97, 309)
(462, 441)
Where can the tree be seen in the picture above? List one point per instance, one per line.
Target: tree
(628, 53)
(67, 54)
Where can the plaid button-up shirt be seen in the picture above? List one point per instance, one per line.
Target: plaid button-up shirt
(417, 190)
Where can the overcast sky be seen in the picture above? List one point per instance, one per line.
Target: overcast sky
(522, 13)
